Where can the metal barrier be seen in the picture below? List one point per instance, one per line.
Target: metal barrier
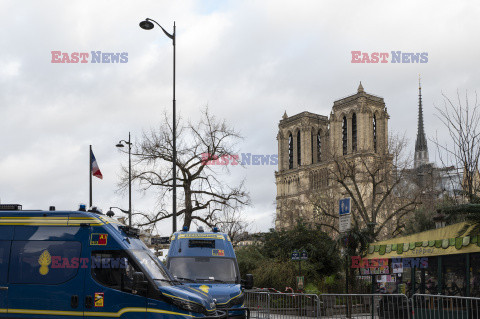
(268, 305)
(445, 307)
(265, 305)
(382, 306)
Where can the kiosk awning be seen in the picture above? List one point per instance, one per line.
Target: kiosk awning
(436, 242)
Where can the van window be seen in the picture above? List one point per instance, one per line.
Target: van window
(113, 269)
(154, 267)
(4, 254)
(193, 243)
(44, 262)
(200, 269)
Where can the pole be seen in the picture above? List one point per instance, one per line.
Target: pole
(174, 223)
(413, 280)
(90, 174)
(372, 290)
(346, 273)
(299, 274)
(349, 312)
(129, 181)
(467, 275)
(439, 275)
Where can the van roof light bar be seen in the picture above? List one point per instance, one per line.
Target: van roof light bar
(10, 207)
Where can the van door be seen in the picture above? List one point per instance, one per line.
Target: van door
(46, 279)
(109, 289)
(4, 259)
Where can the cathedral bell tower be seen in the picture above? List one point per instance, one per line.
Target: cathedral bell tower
(359, 123)
(309, 145)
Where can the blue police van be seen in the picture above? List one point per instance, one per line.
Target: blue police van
(82, 264)
(206, 262)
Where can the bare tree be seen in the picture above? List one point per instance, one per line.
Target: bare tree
(462, 150)
(380, 188)
(204, 151)
(231, 222)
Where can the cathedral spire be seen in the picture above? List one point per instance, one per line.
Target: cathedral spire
(421, 149)
(360, 88)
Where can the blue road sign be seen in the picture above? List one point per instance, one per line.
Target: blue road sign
(295, 255)
(303, 255)
(344, 206)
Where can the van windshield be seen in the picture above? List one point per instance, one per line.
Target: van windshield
(204, 269)
(154, 267)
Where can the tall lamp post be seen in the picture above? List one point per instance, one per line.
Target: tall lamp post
(121, 144)
(148, 25)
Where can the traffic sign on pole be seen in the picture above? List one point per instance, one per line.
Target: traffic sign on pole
(303, 255)
(344, 210)
(344, 206)
(295, 255)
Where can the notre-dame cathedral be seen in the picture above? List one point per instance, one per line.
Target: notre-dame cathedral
(308, 143)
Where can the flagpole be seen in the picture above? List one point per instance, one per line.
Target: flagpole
(90, 174)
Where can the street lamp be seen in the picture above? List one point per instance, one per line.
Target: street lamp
(121, 144)
(148, 25)
(122, 210)
(110, 213)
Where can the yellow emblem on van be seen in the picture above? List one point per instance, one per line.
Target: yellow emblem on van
(44, 261)
(204, 288)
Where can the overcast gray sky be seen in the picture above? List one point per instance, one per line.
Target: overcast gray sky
(248, 60)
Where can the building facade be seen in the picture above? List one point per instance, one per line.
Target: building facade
(310, 145)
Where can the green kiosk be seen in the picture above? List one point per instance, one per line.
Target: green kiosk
(434, 262)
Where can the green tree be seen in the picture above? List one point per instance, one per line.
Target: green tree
(468, 212)
(270, 262)
(421, 220)
(249, 258)
(322, 250)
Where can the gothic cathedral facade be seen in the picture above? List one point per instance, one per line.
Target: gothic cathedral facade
(309, 143)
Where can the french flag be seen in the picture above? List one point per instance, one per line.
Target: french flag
(94, 168)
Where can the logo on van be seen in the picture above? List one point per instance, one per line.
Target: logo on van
(99, 298)
(218, 252)
(98, 239)
(44, 261)
(204, 288)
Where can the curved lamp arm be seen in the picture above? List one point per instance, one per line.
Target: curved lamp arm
(171, 36)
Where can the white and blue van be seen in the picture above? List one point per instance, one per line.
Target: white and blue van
(206, 262)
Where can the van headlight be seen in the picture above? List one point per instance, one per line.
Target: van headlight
(189, 305)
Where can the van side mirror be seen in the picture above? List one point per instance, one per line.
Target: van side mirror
(247, 283)
(139, 282)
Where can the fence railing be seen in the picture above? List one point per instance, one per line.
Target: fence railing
(445, 307)
(274, 305)
(383, 306)
(266, 305)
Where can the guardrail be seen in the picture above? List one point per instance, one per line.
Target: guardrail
(445, 307)
(276, 305)
(383, 306)
(266, 305)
